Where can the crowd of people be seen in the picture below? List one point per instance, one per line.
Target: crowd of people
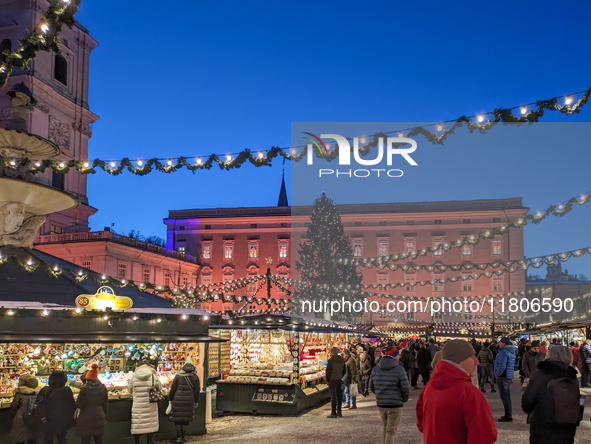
(451, 405)
(50, 412)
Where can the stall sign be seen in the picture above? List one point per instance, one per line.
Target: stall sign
(104, 298)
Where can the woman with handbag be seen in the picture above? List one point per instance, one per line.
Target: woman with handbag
(92, 406)
(146, 390)
(22, 404)
(184, 397)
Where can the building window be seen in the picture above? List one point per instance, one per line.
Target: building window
(410, 315)
(467, 250)
(467, 284)
(182, 249)
(228, 277)
(207, 251)
(122, 271)
(60, 69)
(146, 275)
(185, 281)
(6, 45)
(167, 278)
(357, 248)
(467, 221)
(357, 224)
(207, 227)
(87, 264)
(283, 250)
(497, 283)
(496, 220)
(383, 222)
(409, 279)
(436, 244)
(383, 248)
(56, 229)
(497, 247)
(284, 225)
(439, 278)
(228, 251)
(253, 225)
(253, 251)
(438, 221)
(382, 278)
(206, 279)
(181, 228)
(410, 246)
(57, 180)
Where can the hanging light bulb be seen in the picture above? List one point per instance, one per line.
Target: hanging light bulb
(140, 163)
(568, 100)
(30, 262)
(523, 110)
(86, 164)
(260, 155)
(440, 127)
(169, 162)
(112, 164)
(44, 28)
(229, 157)
(199, 161)
(481, 118)
(294, 151)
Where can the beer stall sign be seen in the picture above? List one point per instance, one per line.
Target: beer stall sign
(104, 298)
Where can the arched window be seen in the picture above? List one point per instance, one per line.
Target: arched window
(6, 45)
(60, 69)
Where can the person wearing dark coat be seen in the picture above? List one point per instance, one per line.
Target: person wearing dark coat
(423, 362)
(59, 405)
(364, 372)
(335, 371)
(93, 402)
(184, 397)
(537, 405)
(28, 386)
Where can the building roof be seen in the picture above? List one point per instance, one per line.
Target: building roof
(17, 284)
(366, 208)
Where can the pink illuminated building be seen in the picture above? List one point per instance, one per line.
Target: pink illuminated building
(233, 243)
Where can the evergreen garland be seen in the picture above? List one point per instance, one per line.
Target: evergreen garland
(58, 14)
(325, 239)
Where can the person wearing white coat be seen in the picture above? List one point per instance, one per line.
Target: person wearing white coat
(144, 414)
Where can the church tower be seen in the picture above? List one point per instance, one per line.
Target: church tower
(59, 83)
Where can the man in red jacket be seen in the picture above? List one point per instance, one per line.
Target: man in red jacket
(451, 409)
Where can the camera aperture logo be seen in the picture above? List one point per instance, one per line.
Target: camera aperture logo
(344, 155)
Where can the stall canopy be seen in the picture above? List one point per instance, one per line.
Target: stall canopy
(36, 307)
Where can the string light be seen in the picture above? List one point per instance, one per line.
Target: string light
(44, 28)
(140, 163)
(229, 157)
(480, 118)
(261, 155)
(440, 127)
(568, 100)
(169, 162)
(112, 164)
(523, 110)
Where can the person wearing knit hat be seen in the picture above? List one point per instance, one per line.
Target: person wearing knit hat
(93, 403)
(184, 398)
(504, 370)
(92, 374)
(390, 384)
(531, 359)
(537, 398)
(402, 344)
(461, 411)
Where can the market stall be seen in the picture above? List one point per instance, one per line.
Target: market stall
(49, 324)
(276, 363)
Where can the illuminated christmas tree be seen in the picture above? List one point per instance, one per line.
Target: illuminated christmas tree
(322, 277)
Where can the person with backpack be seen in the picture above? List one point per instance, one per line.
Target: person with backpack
(485, 369)
(92, 405)
(184, 397)
(552, 399)
(144, 414)
(504, 369)
(21, 408)
(56, 401)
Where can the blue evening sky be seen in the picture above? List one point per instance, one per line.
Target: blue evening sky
(193, 78)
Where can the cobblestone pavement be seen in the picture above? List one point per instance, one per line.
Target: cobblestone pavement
(360, 426)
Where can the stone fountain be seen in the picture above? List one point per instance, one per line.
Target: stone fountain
(24, 201)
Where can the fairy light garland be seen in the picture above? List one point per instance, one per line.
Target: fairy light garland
(474, 239)
(260, 158)
(43, 38)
